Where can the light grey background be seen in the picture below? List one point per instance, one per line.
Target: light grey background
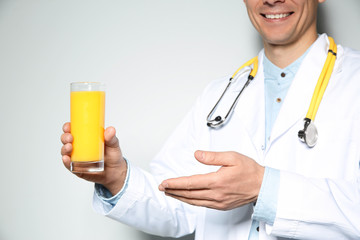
(155, 58)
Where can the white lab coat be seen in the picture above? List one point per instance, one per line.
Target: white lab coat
(319, 191)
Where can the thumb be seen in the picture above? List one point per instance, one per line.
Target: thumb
(110, 138)
(215, 158)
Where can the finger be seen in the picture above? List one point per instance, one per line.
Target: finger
(197, 202)
(201, 181)
(200, 194)
(216, 158)
(66, 127)
(66, 161)
(66, 149)
(110, 137)
(66, 138)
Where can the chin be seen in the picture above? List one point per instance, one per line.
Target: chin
(277, 39)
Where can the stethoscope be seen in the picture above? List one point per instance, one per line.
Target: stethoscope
(309, 134)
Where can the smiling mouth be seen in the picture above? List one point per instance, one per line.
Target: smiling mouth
(276, 16)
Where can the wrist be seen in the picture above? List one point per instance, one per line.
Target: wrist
(117, 178)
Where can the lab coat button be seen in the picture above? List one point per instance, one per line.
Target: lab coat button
(257, 229)
(283, 74)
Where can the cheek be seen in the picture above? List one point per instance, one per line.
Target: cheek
(254, 19)
(311, 10)
(309, 16)
(250, 8)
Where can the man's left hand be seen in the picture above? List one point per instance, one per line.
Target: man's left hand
(236, 183)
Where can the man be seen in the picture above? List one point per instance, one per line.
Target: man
(256, 180)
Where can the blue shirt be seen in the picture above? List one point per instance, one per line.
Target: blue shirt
(276, 83)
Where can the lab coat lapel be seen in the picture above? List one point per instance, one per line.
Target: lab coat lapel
(251, 108)
(298, 98)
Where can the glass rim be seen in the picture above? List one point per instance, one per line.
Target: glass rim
(87, 86)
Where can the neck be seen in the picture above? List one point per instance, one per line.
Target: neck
(283, 55)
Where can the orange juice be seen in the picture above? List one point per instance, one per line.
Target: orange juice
(87, 125)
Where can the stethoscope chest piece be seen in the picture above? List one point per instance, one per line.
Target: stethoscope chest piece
(310, 134)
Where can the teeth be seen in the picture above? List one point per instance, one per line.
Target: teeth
(276, 16)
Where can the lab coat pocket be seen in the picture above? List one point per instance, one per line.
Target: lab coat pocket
(235, 223)
(338, 148)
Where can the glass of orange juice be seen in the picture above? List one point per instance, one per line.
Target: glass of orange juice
(87, 117)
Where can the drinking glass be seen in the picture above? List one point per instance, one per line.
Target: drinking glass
(87, 117)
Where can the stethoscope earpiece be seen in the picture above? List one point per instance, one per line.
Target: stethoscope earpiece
(217, 122)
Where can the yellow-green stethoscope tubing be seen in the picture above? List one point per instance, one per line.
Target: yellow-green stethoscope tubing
(254, 61)
(309, 134)
(323, 80)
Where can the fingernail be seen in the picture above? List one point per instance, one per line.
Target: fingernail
(163, 186)
(200, 155)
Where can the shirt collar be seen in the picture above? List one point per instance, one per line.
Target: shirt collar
(271, 71)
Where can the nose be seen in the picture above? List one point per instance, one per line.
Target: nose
(273, 2)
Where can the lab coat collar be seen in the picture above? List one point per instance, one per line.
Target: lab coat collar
(250, 109)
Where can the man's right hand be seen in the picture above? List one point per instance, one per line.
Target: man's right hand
(115, 167)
